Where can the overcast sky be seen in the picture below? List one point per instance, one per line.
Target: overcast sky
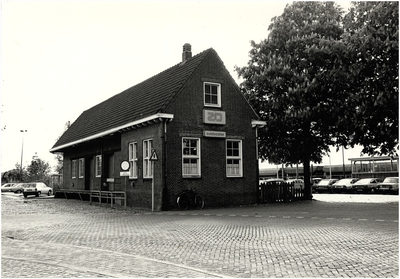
(60, 58)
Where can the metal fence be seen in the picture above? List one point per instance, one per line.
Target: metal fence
(279, 191)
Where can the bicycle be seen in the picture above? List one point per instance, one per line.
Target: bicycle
(189, 198)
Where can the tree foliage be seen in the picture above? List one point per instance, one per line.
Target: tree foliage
(321, 79)
(372, 40)
(59, 155)
(38, 170)
(295, 82)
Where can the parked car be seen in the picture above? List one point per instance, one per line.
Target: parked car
(314, 183)
(389, 185)
(344, 185)
(298, 183)
(367, 185)
(325, 185)
(315, 180)
(17, 188)
(7, 187)
(36, 188)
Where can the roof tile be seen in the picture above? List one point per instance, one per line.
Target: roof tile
(144, 99)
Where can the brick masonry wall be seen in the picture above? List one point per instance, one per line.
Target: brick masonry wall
(187, 108)
(214, 186)
(139, 191)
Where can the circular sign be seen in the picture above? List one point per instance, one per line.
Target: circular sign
(125, 165)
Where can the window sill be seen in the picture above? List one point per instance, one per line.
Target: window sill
(191, 176)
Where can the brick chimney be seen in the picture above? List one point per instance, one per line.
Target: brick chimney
(187, 52)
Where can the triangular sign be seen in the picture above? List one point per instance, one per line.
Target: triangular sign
(153, 156)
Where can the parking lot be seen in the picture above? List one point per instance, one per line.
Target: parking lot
(332, 236)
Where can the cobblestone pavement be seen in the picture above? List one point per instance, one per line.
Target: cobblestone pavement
(70, 238)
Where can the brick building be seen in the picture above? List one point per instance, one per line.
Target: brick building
(191, 117)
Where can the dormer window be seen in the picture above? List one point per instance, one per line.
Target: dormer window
(212, 94)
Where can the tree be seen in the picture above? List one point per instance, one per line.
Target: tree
(38, 170)
(294, 80)
(59, 156)
(372, 41)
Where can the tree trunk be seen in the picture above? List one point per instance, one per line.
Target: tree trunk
(307, 182)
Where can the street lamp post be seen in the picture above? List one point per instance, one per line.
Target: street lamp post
(22, 152)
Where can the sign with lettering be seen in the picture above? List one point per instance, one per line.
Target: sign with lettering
(214, 134)
(214, 117)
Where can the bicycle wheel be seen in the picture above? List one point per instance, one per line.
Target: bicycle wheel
(198, 200)
(183, 202)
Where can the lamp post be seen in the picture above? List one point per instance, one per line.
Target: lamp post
(22, 152)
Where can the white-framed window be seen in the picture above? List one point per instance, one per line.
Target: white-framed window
(73, 168)
(98, 166)
(212, 94)
(234, 160)
(147, 164)
(133, 160)
(191, 157)
(81, 167)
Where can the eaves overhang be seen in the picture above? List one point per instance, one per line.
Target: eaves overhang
(138, 123)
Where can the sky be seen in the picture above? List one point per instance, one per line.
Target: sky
(59, 58)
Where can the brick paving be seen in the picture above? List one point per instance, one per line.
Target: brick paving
(70, 238)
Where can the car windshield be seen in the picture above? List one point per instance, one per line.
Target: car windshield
(363, 181)
(343, 181)
(391, 179)
(324, 182)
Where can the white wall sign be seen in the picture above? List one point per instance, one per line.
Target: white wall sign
(214, 117)
(214, 134)
(124, 173)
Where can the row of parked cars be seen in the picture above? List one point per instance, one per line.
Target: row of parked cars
(28, 189)
(356, 185)
(346, 185)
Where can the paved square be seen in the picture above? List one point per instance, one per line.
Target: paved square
(70, 238)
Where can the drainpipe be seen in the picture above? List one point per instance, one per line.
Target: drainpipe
(164, 198)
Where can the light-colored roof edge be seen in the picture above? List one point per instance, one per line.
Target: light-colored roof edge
(373, 158)
(113, 130)
(258, 123)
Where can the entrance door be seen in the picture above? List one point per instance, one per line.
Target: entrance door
(108, 171)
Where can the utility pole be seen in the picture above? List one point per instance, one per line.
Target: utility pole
(22, 153)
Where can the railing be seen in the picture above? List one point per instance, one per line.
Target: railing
(279, 191)
(68, 193)
(108, 196)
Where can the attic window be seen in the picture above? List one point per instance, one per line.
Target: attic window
(212, 94)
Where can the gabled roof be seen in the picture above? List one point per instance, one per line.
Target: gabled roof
(141, 101)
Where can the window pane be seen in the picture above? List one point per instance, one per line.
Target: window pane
(146, 149)
(190, 166)
(207, 88)
(189, 147)
(208, 99)
(232, 167)
(190, 156)
(214, 90)
(211, 94)
(233, 160)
